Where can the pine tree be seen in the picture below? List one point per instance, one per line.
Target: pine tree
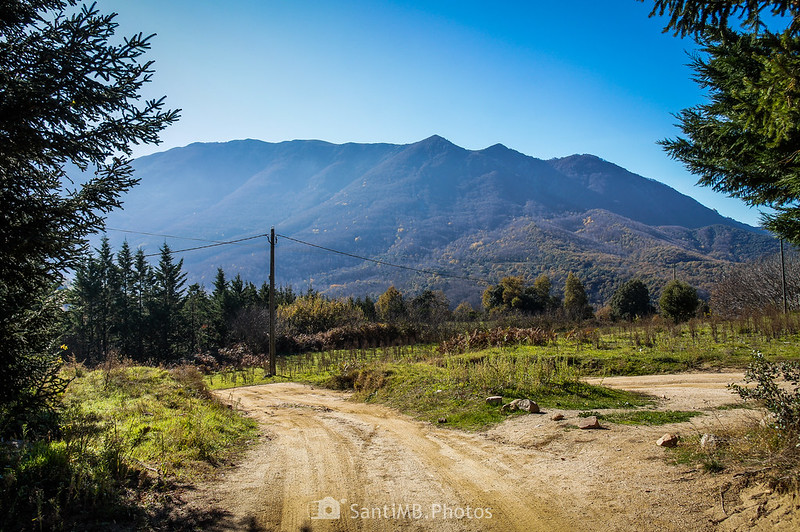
(167, 305)
(68, 96)
(745, 141)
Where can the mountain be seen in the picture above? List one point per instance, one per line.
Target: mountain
(430, 205)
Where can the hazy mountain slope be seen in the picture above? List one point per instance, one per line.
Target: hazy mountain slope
(430, 204)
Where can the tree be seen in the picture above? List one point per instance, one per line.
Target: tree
(756, 286)
(430, 307)
(678, 301)
(631, 300)
(511, 294)
(390, 305)
(576, 304)
(67, 95)
(167, 306)
(745, 141)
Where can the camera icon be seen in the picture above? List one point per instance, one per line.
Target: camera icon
(327, 508)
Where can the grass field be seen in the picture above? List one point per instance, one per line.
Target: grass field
(433, 385)
(127, 434)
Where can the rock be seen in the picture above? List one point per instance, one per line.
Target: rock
(710, 441)
(668, 440)
(494, 400)
(442, 420)
(557, 417)
(590, 422)
(526, 405)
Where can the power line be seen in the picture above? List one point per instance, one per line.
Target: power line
(212, 245)
(384, 263)
(165, 236)
(215, 243)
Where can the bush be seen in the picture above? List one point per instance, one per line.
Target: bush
(631, 300)
(678, 301)
(498, 337)
(781, 399)
(313, 314)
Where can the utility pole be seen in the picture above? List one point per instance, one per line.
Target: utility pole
(272, 370)
(783, 281)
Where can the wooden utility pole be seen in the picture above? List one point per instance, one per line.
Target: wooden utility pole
(272, 370)
(783, 281)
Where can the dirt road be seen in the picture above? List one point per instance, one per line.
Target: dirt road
(327, 463)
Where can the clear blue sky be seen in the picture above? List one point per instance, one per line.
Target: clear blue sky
(548, 79)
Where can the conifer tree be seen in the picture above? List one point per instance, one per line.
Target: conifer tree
(143, 297)
(126, 301)
(167, 305)
(69, 95)
(745, 140)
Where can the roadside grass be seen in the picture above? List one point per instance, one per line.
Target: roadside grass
(644, 417)
(127, 433)
(433, 385)
(756, 452)
(453, 391)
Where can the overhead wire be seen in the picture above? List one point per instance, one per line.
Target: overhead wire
(215, 243)
(212, 245)
(384, 263)
(163, 236)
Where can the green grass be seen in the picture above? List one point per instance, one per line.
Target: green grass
(123, 429)
(648, 417)
(457, 393)
(431, 385)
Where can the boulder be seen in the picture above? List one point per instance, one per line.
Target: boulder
(494, 400)
(557, 417)
(590, 422)
(668, 440)
(526, 405)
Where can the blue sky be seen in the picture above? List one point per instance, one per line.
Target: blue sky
(548, 79)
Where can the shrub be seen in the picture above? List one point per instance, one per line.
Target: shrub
(678, 301)
(498, 337)
(631, 300)
(781, 399)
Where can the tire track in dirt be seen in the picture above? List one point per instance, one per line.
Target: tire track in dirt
(368, 458)
(530, 472)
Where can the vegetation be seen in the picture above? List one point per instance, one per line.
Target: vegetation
(576, 304)
(70, 95)
(753, 286)
(124, 428)
(630, 301)
(647, 417)
(777, 386)
(678, 301)
(744, 140)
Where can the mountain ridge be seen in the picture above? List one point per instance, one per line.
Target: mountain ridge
(425, 204)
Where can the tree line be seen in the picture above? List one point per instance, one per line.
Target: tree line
(119, 303)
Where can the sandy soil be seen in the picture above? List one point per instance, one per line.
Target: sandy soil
(384, 471)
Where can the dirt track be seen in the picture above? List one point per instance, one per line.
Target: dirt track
(385, 471)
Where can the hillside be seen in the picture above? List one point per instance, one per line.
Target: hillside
(432, 205)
